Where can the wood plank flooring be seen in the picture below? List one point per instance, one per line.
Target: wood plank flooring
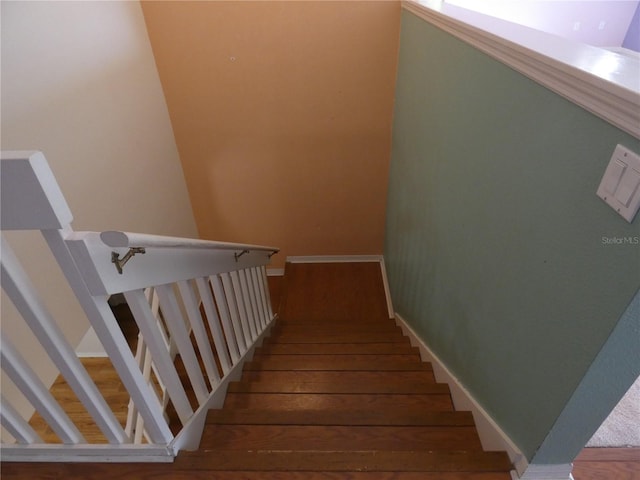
(110, 386)
(607, 464)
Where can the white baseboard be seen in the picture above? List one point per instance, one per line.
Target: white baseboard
(491, 435)
(387, 291)
(275, 272)
(90, 345)
(334, 258)
(548, 472)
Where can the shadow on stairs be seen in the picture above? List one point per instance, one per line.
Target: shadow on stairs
(336, 392)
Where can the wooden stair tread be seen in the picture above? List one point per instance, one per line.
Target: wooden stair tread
(336, 321)
(340, 437)
(396, 417)
(338, 337)
(339, 386)
(337, 348)
(347, 291)
(335, 327)
(304, 401)
(319, 475)
(194, 471)
(405, 377)
(336, 362)
(356, 461)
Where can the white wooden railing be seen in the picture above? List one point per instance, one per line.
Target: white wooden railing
(207, 302)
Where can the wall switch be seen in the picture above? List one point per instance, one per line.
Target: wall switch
(620, 185)
(613, 177)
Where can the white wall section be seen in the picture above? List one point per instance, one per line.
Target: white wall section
(79, 83)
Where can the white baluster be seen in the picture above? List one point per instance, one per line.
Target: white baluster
(262, 304)
(176, 324)
(255, 299)
(164, 363)
(199, 332)
(16, 425)
(108, 331)
(246, 303)
(240, 307)
(214, 324)
(265, 289)
(23, 294)
(34, 390)
(225, 317)
(229, 295)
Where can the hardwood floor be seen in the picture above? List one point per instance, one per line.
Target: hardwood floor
(112, 389)
(607, 464)
(336, 392)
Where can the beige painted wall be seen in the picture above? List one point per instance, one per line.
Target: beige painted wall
(79, 83)
(282, 114)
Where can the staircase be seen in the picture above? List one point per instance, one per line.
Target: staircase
(335, 392)
(338, 392)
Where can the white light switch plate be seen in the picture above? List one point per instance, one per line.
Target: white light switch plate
(620, 185)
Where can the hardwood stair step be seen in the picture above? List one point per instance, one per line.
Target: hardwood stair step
(192, 471)
(394, 417)
(338, 337)
(337, 348)
(319, 401)
(352, 461)
(347, 290)
(195, 471)
(352, 476)
(416, 377)
(338, 320)
(340, 437)
(332, 327)
(336, 362)
(337, 387)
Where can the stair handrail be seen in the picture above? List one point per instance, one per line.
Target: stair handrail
(118, 239)
(206, 290)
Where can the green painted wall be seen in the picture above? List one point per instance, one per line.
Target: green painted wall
(620, 354)
(494, 237)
